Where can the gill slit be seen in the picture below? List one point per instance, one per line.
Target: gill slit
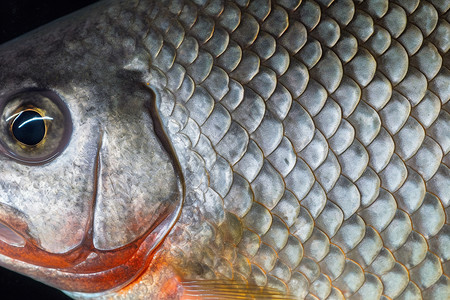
(88, 240)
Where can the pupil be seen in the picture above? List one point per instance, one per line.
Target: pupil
(29, 128)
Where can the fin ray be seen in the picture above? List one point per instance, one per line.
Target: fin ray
(228, 289)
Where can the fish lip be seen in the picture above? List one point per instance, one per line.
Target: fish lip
(9, 236)
(13, 221)
(92, 271)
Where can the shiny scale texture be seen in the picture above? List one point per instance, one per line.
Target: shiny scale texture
(315, 138)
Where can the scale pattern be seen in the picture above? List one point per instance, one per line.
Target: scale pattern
(319, 133)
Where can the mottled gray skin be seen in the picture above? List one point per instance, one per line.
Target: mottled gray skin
(313, 138)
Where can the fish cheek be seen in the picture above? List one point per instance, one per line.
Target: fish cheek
(55, 198)
(137, 180)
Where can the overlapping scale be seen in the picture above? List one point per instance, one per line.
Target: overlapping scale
(323, 129)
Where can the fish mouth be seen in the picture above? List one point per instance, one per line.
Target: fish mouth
(83, 269)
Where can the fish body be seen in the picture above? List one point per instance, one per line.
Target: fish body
(225, 149)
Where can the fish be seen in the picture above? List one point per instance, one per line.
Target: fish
(230, 150)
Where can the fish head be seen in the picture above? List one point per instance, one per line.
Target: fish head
(89, 183)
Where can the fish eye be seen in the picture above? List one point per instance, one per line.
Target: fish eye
(35, 126)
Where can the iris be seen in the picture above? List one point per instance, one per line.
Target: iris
(35, 126)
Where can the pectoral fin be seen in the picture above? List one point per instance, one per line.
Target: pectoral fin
(228, 289)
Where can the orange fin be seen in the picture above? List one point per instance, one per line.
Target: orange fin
(228, 289)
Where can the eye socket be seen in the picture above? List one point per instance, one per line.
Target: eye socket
(35, 126)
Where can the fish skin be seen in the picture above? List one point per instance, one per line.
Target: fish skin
(317, 166)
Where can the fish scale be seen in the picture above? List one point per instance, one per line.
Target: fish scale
(326, 168)
(314, 140)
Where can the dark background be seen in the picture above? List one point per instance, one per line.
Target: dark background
(18, 17)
